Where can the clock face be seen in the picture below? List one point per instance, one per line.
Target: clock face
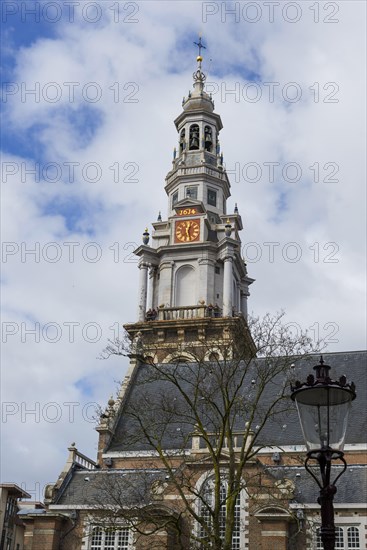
(187, 231)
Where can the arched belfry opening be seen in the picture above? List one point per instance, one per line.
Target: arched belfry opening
(194, 142)
(208, 139)
(185, 287)
(182, 140)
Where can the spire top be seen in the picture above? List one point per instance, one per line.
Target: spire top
(200, 46)
(198, 98)
(199, 76)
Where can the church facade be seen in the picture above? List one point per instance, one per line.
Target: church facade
(202, 429)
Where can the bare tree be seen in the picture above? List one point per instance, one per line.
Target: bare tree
(202, 422)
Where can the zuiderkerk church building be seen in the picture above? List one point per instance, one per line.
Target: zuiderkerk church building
(202, 447)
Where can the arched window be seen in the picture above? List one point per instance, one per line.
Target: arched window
(339, 539)
(208, 139)
(182, 359)
(194, 142)
(353, 537)
(185, 294)
(97, 534)
(319, 545)
(206, 505)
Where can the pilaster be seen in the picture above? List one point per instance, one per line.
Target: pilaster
(143, 287)
(227, 285)
(206, 280)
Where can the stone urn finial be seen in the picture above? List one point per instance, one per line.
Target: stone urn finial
(146, 236)
(228, 228)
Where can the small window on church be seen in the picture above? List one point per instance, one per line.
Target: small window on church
(339, 540)
(192, 192)
(217, 270)
(111, 539)
(174, 198)
(194, 142)
(212, 197)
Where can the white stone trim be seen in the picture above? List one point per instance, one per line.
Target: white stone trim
(73, 507)
(260, 451)
(337, 505)
(302, 448)
(145, 454)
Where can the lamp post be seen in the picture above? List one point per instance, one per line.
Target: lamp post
(323, 408)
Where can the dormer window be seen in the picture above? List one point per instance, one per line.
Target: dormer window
(194, 142)
(208, 139)
(212, 197)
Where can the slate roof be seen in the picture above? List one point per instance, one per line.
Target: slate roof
(114, 487)
(132, 487)
(150, 395)
(351, 486)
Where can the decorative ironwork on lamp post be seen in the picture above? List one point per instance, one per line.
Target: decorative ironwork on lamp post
(323, 408)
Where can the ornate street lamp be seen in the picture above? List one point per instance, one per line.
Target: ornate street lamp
(323, 408)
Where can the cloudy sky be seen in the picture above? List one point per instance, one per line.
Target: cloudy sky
(89, 96)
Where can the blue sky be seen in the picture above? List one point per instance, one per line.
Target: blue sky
(22, 28)
(151, 61)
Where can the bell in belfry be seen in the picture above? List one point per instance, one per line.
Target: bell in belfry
(208, 138)
(194, 137)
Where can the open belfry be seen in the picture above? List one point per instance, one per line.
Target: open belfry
(202, 446)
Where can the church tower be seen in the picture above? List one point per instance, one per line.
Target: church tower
(193, 281)
(201, 430)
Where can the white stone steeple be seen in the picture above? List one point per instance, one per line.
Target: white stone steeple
(193, 266)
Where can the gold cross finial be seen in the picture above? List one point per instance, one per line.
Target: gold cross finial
(200, 45)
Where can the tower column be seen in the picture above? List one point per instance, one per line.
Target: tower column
(244, 295)
(151, 286)
(143, 287)
(172, 289)
(227, 286)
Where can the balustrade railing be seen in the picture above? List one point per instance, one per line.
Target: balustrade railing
(81, 459)
(188, 312)
(197, 170)
(199, 445)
